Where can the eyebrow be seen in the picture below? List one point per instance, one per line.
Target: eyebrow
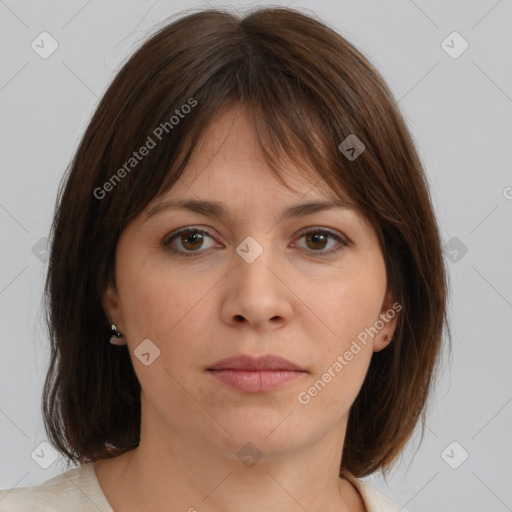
(218, 209)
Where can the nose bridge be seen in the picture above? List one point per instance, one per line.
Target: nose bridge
(254, 259)
(256, 290)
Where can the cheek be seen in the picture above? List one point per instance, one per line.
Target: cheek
(144, 296)
(338, 365)
(346, 306)
(170, 309)
(331, 394)
(343, 309)
(154, 301)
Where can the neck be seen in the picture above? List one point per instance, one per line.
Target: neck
(171, 472)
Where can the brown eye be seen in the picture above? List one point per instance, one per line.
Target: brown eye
(317, 240)
(189, 240)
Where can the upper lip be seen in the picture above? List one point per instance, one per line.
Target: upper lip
(261, 363)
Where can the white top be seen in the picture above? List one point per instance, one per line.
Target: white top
(78, 490)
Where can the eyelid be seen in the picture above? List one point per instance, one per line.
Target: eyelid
(342, 240)
(176, 233)
(320, 229)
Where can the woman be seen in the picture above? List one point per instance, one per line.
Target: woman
(248, 216)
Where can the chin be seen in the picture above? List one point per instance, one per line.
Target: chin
(266, 435)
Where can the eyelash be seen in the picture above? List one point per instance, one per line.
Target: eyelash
(188, 254)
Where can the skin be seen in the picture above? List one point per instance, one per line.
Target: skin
(202, 309)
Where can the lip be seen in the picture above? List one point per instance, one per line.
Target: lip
(262, 363)
(256, 374)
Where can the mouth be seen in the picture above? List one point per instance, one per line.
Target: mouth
(256, 374)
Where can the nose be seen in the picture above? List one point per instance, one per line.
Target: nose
(256, 294)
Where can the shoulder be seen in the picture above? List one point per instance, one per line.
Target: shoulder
(374, 500)
(76, 489)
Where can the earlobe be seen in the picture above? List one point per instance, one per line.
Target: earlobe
(381, 342)
(387, 322)
(111, 305)
(117, 338)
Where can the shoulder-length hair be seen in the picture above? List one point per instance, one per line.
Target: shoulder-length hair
(306, 89)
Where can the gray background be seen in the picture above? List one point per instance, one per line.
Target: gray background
(459, 111)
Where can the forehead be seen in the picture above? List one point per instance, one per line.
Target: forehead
(227, 176)
(228, 160)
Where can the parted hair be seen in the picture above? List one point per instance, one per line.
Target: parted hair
(305, 89)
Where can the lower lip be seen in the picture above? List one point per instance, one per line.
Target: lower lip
(256, 381)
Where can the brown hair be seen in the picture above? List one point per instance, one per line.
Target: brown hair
(306, 89)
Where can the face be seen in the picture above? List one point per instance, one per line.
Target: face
(200, 288)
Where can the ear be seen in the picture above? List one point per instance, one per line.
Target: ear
(387, 322)
(112, 307)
